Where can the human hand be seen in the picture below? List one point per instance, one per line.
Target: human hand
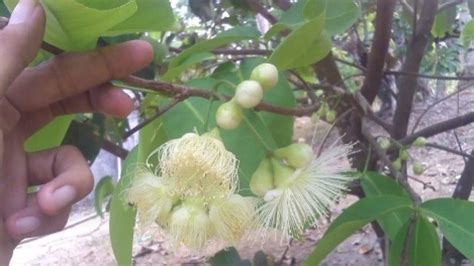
(29, 99)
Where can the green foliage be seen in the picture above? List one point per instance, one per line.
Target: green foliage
(228, 257)
(454, 218)
(50, 135)
(467, 34)
(353, 218)
(122, 215)
(104, 188)
(375, 184)
(444, 21)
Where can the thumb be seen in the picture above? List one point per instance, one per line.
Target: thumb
(21, 40)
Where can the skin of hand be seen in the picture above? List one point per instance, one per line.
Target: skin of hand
(32, 97)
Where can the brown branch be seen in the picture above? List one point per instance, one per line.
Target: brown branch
(282, 4)
(379, 49)
(114, 149)
(447, 5)
(419, 75)
(407, 84)
(446, 149)
(439, 128)
(257, 7)
(173, 90)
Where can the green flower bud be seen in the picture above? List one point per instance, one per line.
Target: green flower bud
(331, 116)
(397, 164)
(262, 179)
(319, 93)
(417, 168)
(419, 142)
(266, 74)
(248, 94)
(297, 155)
(384, 143)
(403, 154)
(229, 115)
(282, 173)
(323, 109)
(160, 51)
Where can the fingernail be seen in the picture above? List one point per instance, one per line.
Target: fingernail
(64, 195)
(27, 225)
(23, 11)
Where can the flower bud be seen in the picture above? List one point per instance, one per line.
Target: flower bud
(323, 109)
(419, 142)
(282, 173)
(397, 164)
(331, 116)
(262, 179)
(403, 154)
(266, 74)
(229, 115)
(231, 217)
(190, 225)
(248, 94)
(384, 143)
(297, 155)
(417, 168)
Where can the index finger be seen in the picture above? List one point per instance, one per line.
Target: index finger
(70, 74)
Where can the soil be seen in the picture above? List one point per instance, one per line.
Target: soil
(88, 243)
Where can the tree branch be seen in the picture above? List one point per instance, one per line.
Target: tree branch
(447, 5)
(379, 49)
(257, 7)
(439, 128)
(407, 84)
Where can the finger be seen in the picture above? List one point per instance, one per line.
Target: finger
(66, 177)
(74, 73)
(32, 222)
(21, 40)
(106, 99)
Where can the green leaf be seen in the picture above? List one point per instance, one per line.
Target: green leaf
(4, 10)
(74, 25)
(49, 136)
(304, 46)
(352, 219)
(233, 35)
(443, 21)
(467, 34)
(375, 184)
(313, 9)
(424, 245)
(151, 15)
(397, 244)
(151, 136)
(455, 219)
(104, 188)
(228, 257)
(188, 62)
(340, 15)
(122, 216)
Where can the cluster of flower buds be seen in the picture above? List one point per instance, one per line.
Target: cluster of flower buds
(403, 154)
(248, 94)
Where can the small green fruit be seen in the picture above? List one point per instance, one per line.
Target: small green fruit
(282, 173)
(266, 74)
(262, 180)
(397, 164)
(403, 154)
(384, 143)
(248, 94)
(160, 51)
(229, 115)
(331, 116)
(323, 110)
(417, 168)
(420, 142)
(297, 155)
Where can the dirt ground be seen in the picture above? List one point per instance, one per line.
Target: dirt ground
(88, 243)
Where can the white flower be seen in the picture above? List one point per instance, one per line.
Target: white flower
(306, 194)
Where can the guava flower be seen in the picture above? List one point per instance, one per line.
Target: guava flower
(151, 197)
(198, 166)
(192, 194)
(304, 194)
